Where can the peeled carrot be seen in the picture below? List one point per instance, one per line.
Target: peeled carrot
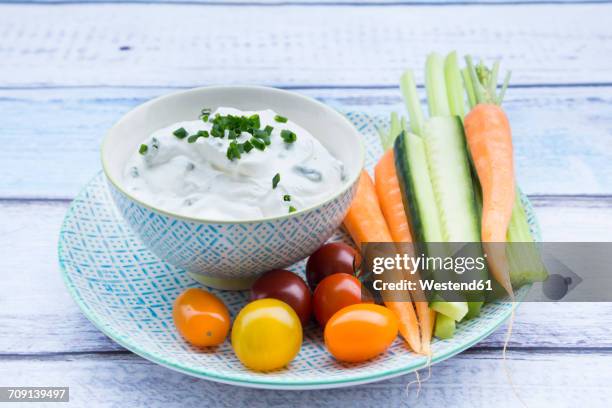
(392, 206)
(489, 139)
(390, 197)
(365, 222)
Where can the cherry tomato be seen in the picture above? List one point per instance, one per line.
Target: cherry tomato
(266, 335)
(331, 258)
(201, 318)
(333, 293)
(360, 332)
(286, 286)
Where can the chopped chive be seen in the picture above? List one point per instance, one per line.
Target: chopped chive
(143, 149)
(203, 133)
(258, 144)
(275, 180)
(288, 136)
(268, 129)
(233, 152)
(180, 133)
(247, 146)
(280, 119)
(292, 209)
(286, 197)
(205, 114)
(192, 138)
(254, 120)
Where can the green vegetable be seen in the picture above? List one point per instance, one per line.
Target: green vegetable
(413, 103)
(292, 209)
(233, 151)
(288, 136)
(280, 119)
(445, 327)
(420, 201)
(435, 85)
(455, 310)
(275, 180)
(258, 144)
(181, 133)
(286, 197)
(143, 149)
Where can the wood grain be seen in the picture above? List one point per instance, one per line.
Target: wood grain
(472, 379)
(281, 3)
(191, 45)
(51, 137)
(38, 316)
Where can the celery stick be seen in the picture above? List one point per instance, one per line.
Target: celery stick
(412, 101)
(525, 262)
(396, 126)
(467, 80)
(435, 84)
(445, 327)
(454, 86)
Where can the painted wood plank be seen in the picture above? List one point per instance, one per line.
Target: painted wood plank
(239, 3)
(190, 45)
(472, 379)
(38, 316)
(51, 137)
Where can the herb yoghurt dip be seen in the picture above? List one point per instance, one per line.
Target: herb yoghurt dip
(233, 165)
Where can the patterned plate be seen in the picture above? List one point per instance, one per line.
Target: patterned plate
(127, 293)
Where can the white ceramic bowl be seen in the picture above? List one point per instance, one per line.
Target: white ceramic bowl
(222, 254)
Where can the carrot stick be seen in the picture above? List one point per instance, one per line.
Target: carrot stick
(490, 141)
(364, 220)
(390, 197)
(365, 223)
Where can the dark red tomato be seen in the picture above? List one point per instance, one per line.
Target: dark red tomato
(287, 287)
(331, 258)
(334, 293)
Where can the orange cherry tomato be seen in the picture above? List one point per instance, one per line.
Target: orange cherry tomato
(333, 293)
(360, 332)
(201, 317)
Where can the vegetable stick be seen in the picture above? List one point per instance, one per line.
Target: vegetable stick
(390, 198)
(365, 223)
(489, 139)
(364, 220)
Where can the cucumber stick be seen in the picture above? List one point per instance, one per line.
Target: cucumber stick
(451, 179)
(419, 200)
(417, 192)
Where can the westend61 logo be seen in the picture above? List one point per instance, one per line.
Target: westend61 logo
(547, 271)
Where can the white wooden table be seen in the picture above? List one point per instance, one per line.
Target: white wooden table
(69, 69)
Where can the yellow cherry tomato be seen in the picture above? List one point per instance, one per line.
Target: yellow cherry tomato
(201, 318)
(266, 335)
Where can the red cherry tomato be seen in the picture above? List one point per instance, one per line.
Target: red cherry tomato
(334, 293)
(287, 287)
(335, 257)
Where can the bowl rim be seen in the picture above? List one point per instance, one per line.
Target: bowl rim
(347, 186)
